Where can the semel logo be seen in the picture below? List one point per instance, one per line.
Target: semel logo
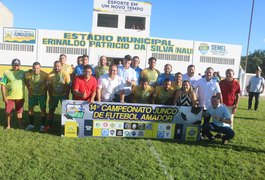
(204, 48)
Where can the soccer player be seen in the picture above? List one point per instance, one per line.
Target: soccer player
(36, 80)
(13, 92)
(85, 86)
(58, 84)
(151, 73)
(66, 67)
(102, 68)
(164, 94)
(142, 93)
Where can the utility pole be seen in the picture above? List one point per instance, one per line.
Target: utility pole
(249, 32)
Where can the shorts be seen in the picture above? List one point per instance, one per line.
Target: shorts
(54, 100)
(37, 100)
(18, 103)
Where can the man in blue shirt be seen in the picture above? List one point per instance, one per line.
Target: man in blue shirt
(135, 66)
(220, 121)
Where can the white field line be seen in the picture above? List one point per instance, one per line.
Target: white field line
(161, 164)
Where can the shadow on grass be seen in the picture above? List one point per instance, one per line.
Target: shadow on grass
(56, 128)
(215, 144)
(218, 144)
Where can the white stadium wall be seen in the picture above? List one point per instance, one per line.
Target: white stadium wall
(45, 46)
(218, 56)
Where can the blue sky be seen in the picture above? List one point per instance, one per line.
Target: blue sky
(223, 21)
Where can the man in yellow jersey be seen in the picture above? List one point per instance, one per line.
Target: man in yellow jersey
(35, 80)
(13, 92)
(151, 73)
(58, 84)
(66, 67)
(142, 93)
(164, 94)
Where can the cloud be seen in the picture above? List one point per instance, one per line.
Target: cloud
(264, 40)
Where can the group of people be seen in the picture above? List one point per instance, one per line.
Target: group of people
(122, 83)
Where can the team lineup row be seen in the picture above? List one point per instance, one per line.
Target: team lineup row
(120, 83)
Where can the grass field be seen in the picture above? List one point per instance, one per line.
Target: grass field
(32, 155)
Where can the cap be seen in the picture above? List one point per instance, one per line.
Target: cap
(15, 62)
(128, 57)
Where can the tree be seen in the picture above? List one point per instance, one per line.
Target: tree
(257, 58)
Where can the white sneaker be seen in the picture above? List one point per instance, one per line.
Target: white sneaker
(30, 127)
(42, 128)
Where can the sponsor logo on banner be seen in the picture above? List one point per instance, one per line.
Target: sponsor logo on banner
(88, 128)
(127, 125)
(105, 124)
(167, 135)
(133, 133)
(148, 126)
(112, 125)
(161, 127)
(168, 127)
(112, 132)
(134, 126)
(127, 133)
(191, 133)
(141, 126)
(119, 125)
(75, 110)
(97, 125)
(105, 132)
(140, 133)
(160, 134)
(119, 132)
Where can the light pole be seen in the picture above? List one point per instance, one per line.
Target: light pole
(249, 32)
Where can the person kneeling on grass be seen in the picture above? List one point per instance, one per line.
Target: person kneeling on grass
(221, 121)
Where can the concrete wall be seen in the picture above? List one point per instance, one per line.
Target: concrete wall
(6, 16)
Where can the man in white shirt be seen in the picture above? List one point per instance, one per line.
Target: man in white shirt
(190, 75)
(255, 88)
(207, 87)
(128, 79)
(108, 85)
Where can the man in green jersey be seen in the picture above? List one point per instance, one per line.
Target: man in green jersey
(58, 84)
(151, 73)
(13, 92)
(35, 80)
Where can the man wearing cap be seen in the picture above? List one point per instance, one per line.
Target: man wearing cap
(13, 92)
(128, 79)
(255, 88)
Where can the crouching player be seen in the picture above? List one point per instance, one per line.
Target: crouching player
(221, 121)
